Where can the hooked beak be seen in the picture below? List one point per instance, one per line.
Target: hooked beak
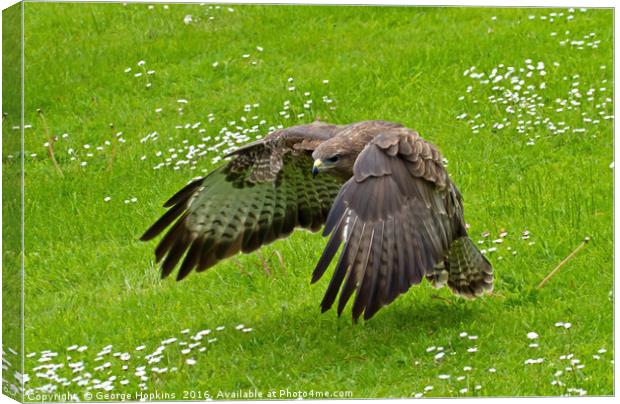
(316, 167)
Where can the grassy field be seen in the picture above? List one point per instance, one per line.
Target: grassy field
(519, 101)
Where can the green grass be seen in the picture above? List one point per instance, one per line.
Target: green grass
(89, 281)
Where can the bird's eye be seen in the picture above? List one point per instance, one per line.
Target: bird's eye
(332, 159)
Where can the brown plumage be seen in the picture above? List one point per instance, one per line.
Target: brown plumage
(381, 191)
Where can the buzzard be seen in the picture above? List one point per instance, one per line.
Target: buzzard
(381, 191)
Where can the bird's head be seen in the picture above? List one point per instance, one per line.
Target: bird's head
(335, 155)
(325, 163)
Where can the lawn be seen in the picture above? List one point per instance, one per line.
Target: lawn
(142, 98)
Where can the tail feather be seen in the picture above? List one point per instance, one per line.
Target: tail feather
(466, 271)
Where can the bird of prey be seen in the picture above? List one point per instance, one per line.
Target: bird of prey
(379, 189)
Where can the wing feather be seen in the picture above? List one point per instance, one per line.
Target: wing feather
(357, 271)
(262, 194)
(328, 253)
(191, 258)
(168, 240)
(400, 200)
(184, 193)
(350, 249)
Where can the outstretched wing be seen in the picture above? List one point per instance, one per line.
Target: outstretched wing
(397, 216)
(262, 194)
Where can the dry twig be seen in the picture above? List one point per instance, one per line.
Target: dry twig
(264, 264)
(113, 150)
(50, 144)
(564, 261)
(281, 260)
(238, 264)
(441, 298)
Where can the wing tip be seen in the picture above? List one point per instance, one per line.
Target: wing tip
(146, 236)
(151, 232)
(182, 275)
(163, 274)
(184, 192)
(368, 314)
